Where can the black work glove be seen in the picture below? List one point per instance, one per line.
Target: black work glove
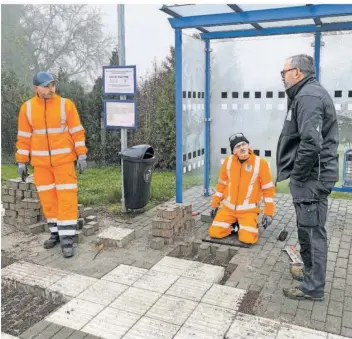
(213, 212)
(266, 221)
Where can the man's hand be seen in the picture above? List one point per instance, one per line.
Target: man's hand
(266, 221)
(213, 212)
(22, 170)
(82, 163)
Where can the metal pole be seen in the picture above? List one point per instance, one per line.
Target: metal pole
(178, 99)
(317, 46)
(207, 117)
(121, 53)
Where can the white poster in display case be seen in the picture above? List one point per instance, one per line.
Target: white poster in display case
(120, 114)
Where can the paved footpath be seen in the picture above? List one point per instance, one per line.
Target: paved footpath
(137, 292)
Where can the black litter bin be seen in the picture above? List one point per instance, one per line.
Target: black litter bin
(138, 162)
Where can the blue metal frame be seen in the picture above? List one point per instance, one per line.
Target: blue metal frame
(134, 80)
(178, 102)
(259, 16)
(123, 101)
(249, 17)
(207, 118)
(277, 31)
(317, 44)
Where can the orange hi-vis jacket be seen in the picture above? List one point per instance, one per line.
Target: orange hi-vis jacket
(241, 185)
(50, 131)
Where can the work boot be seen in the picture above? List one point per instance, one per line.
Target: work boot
(296, 294)
(297, 272)
(67, 245)
(52, 241)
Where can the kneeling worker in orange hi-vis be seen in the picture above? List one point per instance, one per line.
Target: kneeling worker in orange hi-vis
(50, 131)
(244, 179)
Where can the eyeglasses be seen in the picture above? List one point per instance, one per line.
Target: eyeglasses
(285, 71)
(236, 135)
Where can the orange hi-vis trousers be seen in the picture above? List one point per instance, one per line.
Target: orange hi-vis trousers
(248, 225)
(57, 190)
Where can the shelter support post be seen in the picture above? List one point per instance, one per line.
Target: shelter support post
(317, 45)
(178, 100)
(207, 118)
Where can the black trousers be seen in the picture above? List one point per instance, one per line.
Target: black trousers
(310, 199)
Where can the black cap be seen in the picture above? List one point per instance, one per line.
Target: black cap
(237, 138)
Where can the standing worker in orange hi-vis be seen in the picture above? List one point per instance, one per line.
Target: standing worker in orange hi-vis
(244, 178)
(50, 131)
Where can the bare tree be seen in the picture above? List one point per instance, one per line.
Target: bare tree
(65, 36)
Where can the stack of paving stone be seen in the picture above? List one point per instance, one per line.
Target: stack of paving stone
(22, 209)
(22, 206)
(170, 221)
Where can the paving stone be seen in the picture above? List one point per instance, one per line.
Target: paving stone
(205, 272)
(345, 245)
(64, 333)
(333, 324)
(157, 243)
(72, 284)
(336, 294)
(75, 314)
(18, 270)
(335, 308)
(224, 296)
(302, 317)
(191, 289)
(341, 262)
(343, 253)
(339, 283)
(319, 312)
(346, 320)
(305, 304)
(35, 329)
(171, 309)
(111, 323)
(348, 304)
(77, 335)
(102, 292)
(148, 328)
(204, 250)
(43, 276)
(136, 300)
(273, 310)
(172, 265)
(346, 332)
(249, 326)
(49, 331)
(116, 236)
(317, 325)
(156, 281)
(207, 322)
(340, 273)
(125, 274)
(288, 331)
(289, 306)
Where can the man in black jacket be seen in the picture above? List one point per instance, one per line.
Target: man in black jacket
(307, 154)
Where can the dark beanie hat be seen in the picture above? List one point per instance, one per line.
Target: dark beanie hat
(237, 138)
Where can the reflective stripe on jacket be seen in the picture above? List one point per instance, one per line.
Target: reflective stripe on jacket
(241, 186)
(50, 131)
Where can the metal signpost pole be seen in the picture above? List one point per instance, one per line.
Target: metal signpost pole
(122, 62)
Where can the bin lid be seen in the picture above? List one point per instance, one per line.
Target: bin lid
(139, 152)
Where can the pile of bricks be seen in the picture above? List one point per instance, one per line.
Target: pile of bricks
(21, 203)
(22, 209)
(170, 221)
